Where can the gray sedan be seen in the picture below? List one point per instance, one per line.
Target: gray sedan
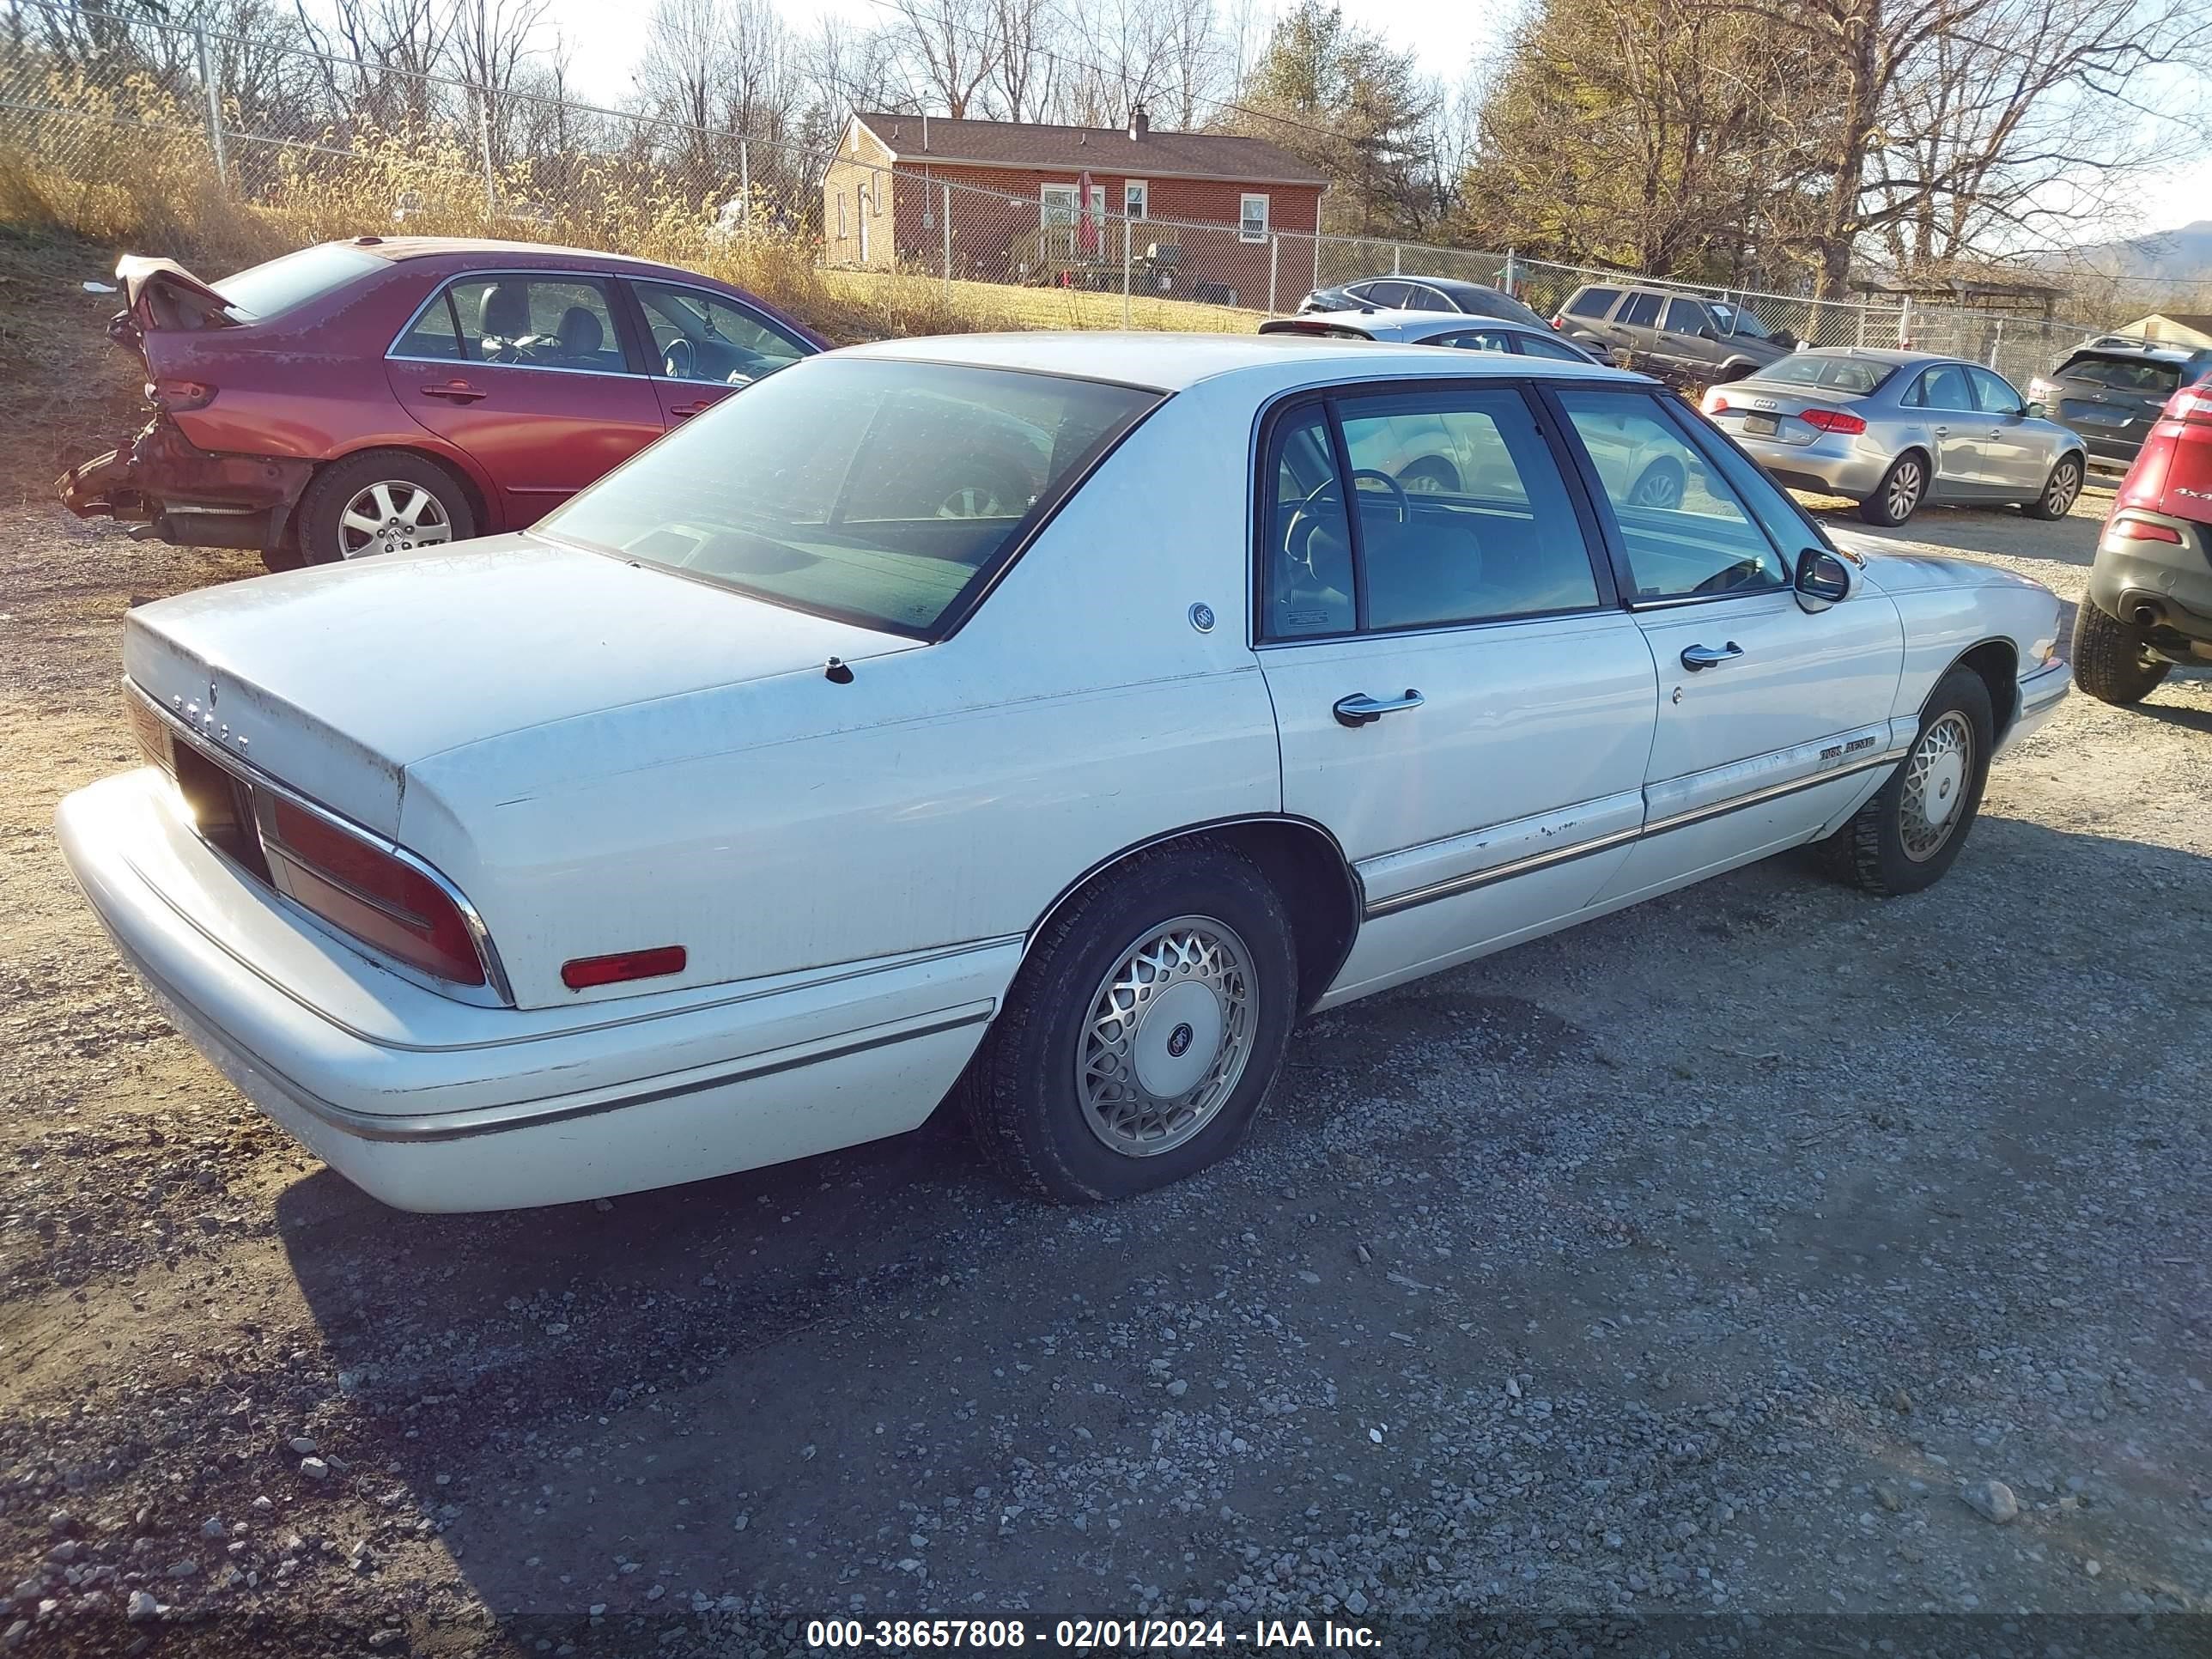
(1892, 429)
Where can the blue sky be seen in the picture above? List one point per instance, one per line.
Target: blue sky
(1450, 36)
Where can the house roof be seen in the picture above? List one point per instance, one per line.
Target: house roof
(2196, 322)
(1035, 147)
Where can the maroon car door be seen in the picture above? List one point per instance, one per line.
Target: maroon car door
(525, 372)
(709, 345)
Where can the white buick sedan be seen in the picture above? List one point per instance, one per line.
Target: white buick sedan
(1056, 717)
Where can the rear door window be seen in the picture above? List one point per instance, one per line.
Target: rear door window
(1945, 387)
(1642, 311)
(1593, 302)
(1305, 534)
(1421, 297)
(1475, 339)
(1388, 296)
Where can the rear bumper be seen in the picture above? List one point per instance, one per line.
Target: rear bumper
(2168, 582)
(184, 494)
(1830, 465)
(433, 1105)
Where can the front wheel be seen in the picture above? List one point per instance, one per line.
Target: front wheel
(2059, 490)
(2112, 662)
(1907, 835)
(1898, 495)
(1135, 1045)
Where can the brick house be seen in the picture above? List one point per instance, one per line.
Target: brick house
(1209, 215)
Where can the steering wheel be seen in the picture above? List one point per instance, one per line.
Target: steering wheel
(1397, 490)
(1731, 577)
(678, 361)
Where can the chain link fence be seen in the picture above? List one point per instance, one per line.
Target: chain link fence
(128, 124)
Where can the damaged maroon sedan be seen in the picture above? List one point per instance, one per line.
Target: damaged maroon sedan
(388, 392)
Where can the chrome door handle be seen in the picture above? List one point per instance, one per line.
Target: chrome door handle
(1941, 431)
(1360, 709)
(455, 392)
(1695, 657)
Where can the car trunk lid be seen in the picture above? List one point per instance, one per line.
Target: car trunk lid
(1776, 414)
(335, 679)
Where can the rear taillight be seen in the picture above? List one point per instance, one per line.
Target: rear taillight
(2192, 403)
(1559, 321)
(364, 890)
(1715, 404)
(2135, 530)
(1831, 420)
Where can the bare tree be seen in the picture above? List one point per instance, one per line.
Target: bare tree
(949, 49)
(1025, 35)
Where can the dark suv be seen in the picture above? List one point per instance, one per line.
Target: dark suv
(2149, 604)
(2111, 391)
(1681, 337)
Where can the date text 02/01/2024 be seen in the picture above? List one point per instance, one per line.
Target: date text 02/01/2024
(1163, 1634)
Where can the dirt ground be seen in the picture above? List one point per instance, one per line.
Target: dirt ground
(1664, 1284)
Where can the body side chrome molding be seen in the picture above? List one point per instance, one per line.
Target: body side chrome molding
(1879, 753)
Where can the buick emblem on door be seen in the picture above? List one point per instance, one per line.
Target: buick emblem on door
(1202, 618)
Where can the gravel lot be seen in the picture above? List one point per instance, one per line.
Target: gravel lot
(1701, 1260)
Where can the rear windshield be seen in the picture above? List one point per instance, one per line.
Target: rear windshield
(876, 492)
(1857, 375)
(265, 291)
(1593, 302)
(2145, 374)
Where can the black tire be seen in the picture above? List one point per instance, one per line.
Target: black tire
(330, 491)
(1872, 850)
(1900, 492)
(1019, 1093)
(1662, 485)
(2060, 490)
(2110, 661)
(1431, 475)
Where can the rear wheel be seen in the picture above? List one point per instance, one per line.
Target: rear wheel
(1137, 1041)
(2112, 661)
(382, 501)
(1898, 494)
(1660, 484)
(1907, 835)
(2059, 490)
(1431, 475)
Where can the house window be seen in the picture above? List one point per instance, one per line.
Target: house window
(1057, 206)
(1136, 200)
(840, 215)
(876, 198)
(1252, 219)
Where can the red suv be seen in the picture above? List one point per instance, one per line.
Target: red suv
(361, 397)
(2150, 590)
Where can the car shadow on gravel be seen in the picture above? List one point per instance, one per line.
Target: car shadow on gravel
(1606, 1213)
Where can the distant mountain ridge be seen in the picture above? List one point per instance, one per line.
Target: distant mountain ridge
(2177, 256)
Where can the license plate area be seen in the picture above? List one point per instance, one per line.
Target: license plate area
(1760, 426)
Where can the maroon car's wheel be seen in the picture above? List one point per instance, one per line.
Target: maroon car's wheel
(383, 501)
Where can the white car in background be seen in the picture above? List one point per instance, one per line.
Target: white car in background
(784, 780)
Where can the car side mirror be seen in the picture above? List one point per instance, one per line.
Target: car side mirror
(2036, 411)
(1706, 332)
(1822, 579)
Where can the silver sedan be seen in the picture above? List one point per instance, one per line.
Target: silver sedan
(1894, 430)
(1440, 328)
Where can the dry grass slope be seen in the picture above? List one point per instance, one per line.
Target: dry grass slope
(132, 170)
